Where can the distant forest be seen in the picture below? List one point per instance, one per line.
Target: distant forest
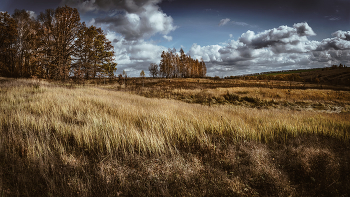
(173, 65)
(56, 45)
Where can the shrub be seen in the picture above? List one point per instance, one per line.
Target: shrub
(231, 97)
(251, 99)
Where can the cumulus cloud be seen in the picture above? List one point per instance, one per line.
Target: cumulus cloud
(275, 49)
(344, 35)
(134, 55)
(340, 41)
(208, 53)
(281, 38)
(134, 19)
(224, 21)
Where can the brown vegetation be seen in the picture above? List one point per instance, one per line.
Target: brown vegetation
(339, 76)
(331, 76)
(90, 140)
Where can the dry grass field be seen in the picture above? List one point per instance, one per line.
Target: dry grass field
(178, 137)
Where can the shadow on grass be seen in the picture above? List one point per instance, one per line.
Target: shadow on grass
(301, 166)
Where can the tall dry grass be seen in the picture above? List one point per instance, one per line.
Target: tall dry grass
(45, 127)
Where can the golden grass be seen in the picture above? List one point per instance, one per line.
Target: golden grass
(41, 123)
(111, 122)
(283, 94)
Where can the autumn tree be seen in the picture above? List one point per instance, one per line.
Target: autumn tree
(142, 74)
(8, 35)
(103, 55)
(204, 68)
(82, 68)
(59, 29)
(153, 70)
(175, 65)
(33, 45)
(66, 27)
(23, 44)
(163, 65)
(47, 51)
(55, 46)
(182, 63)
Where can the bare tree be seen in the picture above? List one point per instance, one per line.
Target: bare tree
(153, 70)
(142, 74)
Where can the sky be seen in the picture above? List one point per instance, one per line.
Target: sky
(233, 37)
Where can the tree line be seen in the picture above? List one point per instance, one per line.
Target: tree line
(174, 65)
(56, 45)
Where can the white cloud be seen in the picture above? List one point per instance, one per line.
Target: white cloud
(344, 35)
(168, 38)
(340, 41)
(231, 35)
(224, 21)
(282, 39)
(242, 24)
(275, 49)
(136, 55)
(208, 53)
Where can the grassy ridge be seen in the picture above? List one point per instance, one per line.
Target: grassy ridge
(87, 141)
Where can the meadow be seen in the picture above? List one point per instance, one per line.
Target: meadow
(178, 137)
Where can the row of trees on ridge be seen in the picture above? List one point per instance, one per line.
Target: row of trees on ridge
(56, 45)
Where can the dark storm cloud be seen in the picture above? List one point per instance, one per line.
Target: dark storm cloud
(131, 6)
(134, 19)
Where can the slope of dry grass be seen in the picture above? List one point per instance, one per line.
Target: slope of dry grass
(87, 141)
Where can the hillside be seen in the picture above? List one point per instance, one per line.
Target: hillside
(338, 76)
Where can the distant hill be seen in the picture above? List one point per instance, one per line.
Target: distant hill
(331, 76)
